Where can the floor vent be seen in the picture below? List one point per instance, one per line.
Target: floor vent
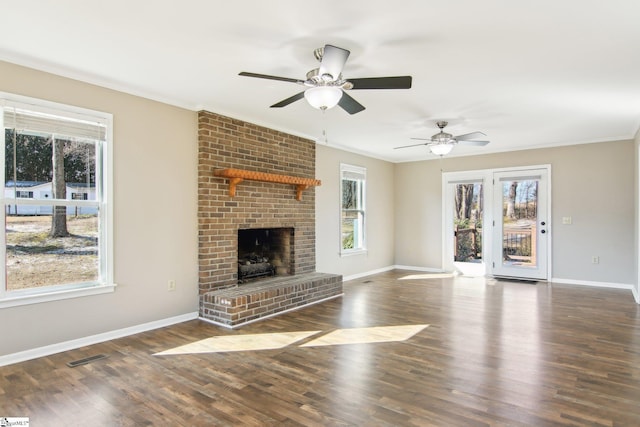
(86, 360)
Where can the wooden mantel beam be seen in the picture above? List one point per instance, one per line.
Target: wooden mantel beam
(236, 176)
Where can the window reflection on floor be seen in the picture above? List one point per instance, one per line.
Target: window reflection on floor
(271, 341)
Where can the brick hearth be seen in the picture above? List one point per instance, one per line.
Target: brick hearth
(236, 306)
(226, 143)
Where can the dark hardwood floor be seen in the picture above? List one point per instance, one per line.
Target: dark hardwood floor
(495, 353)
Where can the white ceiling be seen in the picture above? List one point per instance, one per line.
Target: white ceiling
(528, 74)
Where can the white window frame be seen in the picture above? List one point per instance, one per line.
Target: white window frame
(358, 173)
(103, 201)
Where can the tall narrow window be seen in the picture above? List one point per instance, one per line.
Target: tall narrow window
(352, 206)
(56, 199)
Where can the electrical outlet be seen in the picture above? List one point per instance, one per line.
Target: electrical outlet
(566, 220)
(595, 260)
(171, 286)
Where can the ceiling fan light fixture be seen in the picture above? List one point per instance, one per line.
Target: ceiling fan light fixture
(441, 149)
(323, 97)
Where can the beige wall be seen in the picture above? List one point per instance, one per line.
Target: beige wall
(155, 222)
(418, 235)
(379, 217)
(592, 183)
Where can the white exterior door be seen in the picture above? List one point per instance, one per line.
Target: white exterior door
(521, 237)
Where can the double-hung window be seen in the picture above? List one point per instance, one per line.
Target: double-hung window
(352, 209)
(56, 181)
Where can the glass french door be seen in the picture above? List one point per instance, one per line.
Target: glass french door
(520, 224)
(464, 215)
(468, 215)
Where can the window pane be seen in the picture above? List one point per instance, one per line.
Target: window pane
(35, 259)
(468, 213)
(350, 194)
(80, 169)
(352, 229)
(29, 166)
(519, 219)
(347, 232)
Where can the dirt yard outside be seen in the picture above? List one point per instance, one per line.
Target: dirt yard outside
(34, 259)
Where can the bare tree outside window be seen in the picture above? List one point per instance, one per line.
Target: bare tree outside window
(59, 216)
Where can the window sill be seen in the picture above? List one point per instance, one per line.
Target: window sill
(26, 299)
(354, 252)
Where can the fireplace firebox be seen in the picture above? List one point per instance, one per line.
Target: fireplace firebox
(264, 252)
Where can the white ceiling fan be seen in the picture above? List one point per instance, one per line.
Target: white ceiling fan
(326, 87)
(442, 143)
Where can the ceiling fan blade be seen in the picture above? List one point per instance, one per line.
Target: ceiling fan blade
(289, 100)
(349, 104)
(266, 76)
(333, 60)
(476, 143)
(400, 82)
(414, 145)
(422, 139)
(469, 136)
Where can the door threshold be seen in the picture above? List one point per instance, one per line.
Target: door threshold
(516, 279)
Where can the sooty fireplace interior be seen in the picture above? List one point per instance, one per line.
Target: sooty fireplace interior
(264, 252)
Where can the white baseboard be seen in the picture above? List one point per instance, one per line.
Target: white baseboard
(93, 339)
(425, 269)
(590, 283)
(389, 268)
(366, 273)
(612, 285)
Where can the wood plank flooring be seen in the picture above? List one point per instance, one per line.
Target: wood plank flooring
(494, 353)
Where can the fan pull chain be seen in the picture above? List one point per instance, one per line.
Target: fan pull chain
(324, 128)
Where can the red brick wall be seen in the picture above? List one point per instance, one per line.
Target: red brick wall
(223, 143)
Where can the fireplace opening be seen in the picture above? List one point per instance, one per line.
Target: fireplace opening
(264, 252)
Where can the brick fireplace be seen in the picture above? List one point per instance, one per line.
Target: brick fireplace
(227, 143)
(264, 252)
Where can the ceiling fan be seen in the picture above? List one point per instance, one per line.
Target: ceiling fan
(442, 143)
(326, 87)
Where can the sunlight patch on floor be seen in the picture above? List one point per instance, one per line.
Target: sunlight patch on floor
(374, 334)
(471, 269)
(273, 341)
(427, 276)
(228, 343)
